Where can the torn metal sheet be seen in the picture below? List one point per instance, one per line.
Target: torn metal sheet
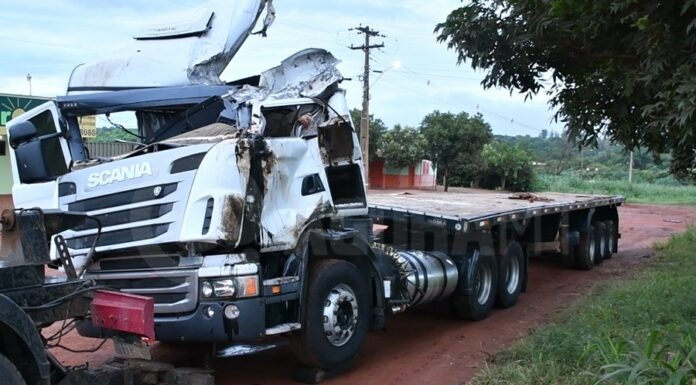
(191, 48)
(308, 73)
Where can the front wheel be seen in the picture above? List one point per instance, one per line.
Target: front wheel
(337, 316)
(9, 373)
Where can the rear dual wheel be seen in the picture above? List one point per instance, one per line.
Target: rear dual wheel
(602, 242)
(612, 239)
(510, 275)
(586, 249)
(596, 244)
(475, 294)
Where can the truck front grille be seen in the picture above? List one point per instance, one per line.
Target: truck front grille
(143, 194)
(107, 238)
(132, 216)
(128, 216)
(174, 291)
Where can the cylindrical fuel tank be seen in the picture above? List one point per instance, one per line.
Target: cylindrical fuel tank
(427, 276)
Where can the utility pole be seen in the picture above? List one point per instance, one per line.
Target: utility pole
(365, 115)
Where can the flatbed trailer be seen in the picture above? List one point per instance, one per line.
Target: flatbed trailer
(582, 229)
(466, 210)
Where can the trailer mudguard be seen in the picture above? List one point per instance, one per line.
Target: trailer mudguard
(28, 352)
(467, 271)
(580, 220)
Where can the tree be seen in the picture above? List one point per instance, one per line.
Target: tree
(510, 164)
(622, 67)
(113, 134)
(403, 146)
(454, 141)
(377, 130)
(558, 154)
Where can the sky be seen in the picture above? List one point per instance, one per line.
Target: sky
(47, 39)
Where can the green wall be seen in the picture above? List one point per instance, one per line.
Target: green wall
(5, 171)
(12, 106)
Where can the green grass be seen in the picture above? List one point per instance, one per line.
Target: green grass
(637, 192)
(642, 326)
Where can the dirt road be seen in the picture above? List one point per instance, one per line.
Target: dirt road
(430, 346)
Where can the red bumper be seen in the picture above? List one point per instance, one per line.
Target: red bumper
(124, 312)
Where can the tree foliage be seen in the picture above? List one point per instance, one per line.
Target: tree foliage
(114, 134)
(623, 67)
(403, 146)
(455, 142)
(377, 130)
(508, 166)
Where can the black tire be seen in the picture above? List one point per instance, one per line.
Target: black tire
(338, 285)
(477, 304)
(585, 250)
(601, 242)
(9, 373)
(510, 276)
(612, 238)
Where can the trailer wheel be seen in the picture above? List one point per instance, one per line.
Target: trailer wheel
(602, 242)
(337, 316)
(9, 373)
(510, 276)
(474, 300)
(585, 250)
(612, 239)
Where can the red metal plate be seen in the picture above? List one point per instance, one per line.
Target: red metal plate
(124, 312)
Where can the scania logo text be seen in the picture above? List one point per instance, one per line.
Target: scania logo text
(119, 174)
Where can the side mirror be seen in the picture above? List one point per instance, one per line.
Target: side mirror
(21, 132)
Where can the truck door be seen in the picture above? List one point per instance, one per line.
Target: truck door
(39, 154)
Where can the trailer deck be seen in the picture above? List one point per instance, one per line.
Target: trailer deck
(466, 210)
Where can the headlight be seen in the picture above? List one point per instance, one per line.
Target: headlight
(224, 288)
(238, 287)
(206, 289)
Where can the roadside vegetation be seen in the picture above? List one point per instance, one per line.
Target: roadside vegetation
(635, 192)
(635, 330)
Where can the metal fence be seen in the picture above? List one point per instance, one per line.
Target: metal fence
(108, 149)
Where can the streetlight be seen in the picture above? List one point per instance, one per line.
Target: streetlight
(394, 66)
(29, 80)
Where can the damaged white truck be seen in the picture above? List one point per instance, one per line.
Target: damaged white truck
(243, 210)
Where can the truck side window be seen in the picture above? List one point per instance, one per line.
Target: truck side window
(44, 123)
(41, 159)
(291, 121)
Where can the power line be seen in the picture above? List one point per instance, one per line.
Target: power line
(403, 86)
(407, 73)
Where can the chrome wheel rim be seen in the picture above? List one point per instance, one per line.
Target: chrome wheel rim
(512, 275)
(592, 247)
(482, 286)
(340, 315)
(612, 240)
